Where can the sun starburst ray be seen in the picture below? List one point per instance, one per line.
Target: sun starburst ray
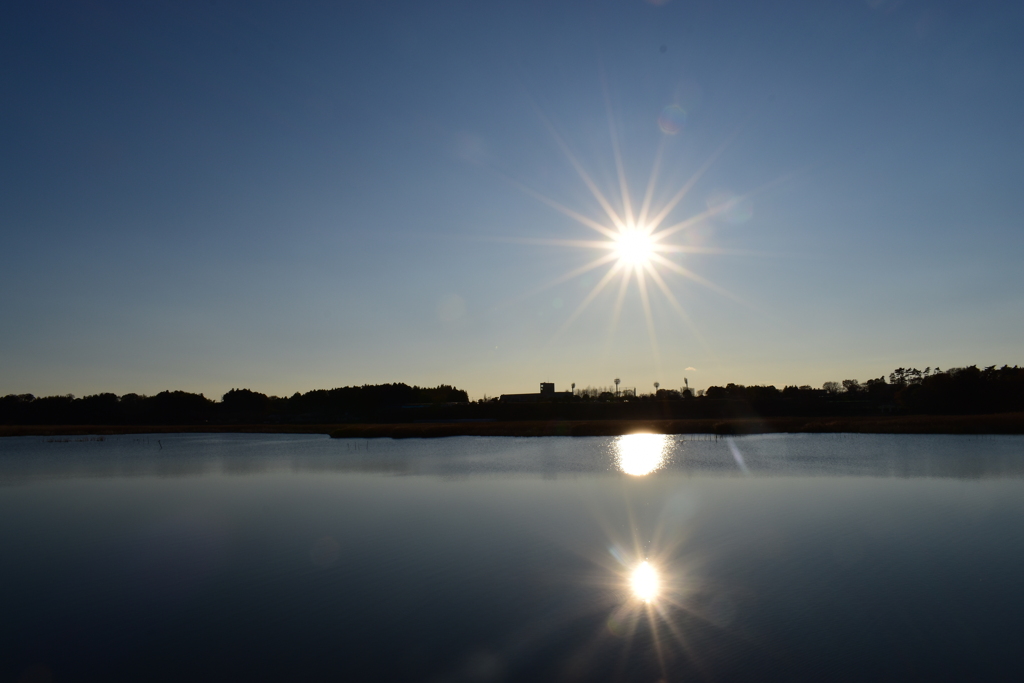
(681, 638)
(674, 302)
(572, 274)
(658, 651)
(711, 212)
(627, 208)
(589, 298)
(688, 185)
(641, 281)
(685, 272)
(584, 176)
(578, 217)
(687, 249)
(683, 225)
(551, 242)
(617, 309)
(652, 182)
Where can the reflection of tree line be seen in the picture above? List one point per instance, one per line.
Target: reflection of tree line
(959, 391)
(833, 456)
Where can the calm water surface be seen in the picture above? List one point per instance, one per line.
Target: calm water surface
(255, 557)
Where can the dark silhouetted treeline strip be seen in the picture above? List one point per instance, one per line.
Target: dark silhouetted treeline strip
(906, 392)
(959, 391)
(237, 407)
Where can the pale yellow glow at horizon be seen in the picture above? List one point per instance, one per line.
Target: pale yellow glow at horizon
(645, 581)
(640, 454)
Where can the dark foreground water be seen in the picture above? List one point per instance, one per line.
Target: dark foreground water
(240, 557)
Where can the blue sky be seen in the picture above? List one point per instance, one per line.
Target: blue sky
(288, 196)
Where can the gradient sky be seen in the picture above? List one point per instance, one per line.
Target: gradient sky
(289, 196)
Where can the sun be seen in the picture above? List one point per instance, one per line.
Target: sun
(636, 241)
(634, 247)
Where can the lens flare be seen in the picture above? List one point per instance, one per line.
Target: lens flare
(672, 119)
(645, 581)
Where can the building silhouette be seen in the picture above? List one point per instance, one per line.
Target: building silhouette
(547, 394)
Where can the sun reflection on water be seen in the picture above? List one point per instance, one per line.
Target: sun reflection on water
(640, 454)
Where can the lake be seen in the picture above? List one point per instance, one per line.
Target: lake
(641, 558)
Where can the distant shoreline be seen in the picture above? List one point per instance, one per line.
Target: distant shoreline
(1003, 423)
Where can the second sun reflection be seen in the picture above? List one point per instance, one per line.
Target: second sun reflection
(639, 455)
(656, 593)
(645, 581)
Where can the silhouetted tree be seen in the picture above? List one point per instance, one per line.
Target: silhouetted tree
(852, 386)
(245, 405)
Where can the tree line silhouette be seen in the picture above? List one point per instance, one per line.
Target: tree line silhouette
(908, 391)
(958, 391)
(238, 406)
